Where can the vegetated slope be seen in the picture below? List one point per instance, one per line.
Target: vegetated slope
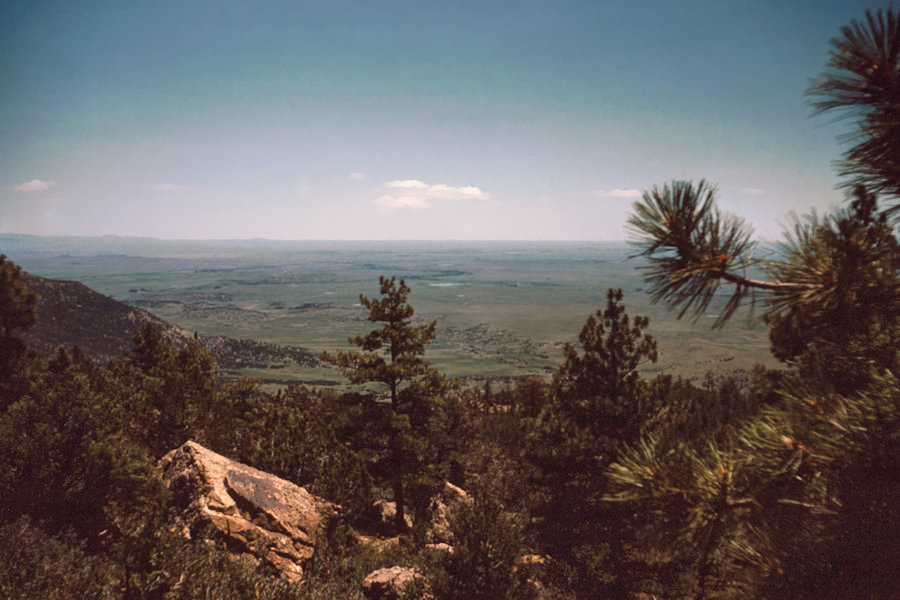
(70, 313)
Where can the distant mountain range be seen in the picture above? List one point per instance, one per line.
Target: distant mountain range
(70, 313)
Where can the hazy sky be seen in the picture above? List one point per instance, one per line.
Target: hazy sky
(406, 120)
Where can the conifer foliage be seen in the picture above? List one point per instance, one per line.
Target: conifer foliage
(862, 83)
(392, 355)
(17, 313)
(794, 499)
(593, 409)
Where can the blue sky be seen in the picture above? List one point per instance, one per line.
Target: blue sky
(406, 120)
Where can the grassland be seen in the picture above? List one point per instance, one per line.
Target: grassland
(503, 309)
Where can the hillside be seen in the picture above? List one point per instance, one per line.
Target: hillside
(70, 313)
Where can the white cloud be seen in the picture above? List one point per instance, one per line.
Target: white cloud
(165, 187)
(469, 192)
(357, 176)
(617, 193)
(415, 194)
(413, 184)
(753, 191)
(389, 202)
(35, 185)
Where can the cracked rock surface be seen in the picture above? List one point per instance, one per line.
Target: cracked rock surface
(260, 516)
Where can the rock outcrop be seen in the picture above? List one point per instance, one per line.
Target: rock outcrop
(438, 531)
(386, 512)
(260, 516)
(392, 583)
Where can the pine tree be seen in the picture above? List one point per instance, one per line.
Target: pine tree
(392, 355)
(799, 499)
(863, 83)
(17, 313)
(794, 479)
(167, 392)
(594, 407)
(775, 506)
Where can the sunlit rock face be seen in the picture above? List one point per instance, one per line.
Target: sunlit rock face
(392, 583)
(260, 516)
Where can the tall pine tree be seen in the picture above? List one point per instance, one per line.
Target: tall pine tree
(392, 356)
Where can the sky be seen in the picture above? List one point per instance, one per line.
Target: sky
(386, 120)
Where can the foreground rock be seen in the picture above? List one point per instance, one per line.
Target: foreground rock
(392, 583)
(261, 517)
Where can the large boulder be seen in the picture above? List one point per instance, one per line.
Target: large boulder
(260, 516)
(392, 583)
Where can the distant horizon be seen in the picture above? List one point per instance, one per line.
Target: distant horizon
(312, 241)
(624, 240)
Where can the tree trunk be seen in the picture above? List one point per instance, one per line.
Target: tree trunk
(400, 516)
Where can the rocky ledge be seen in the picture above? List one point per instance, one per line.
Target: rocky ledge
(261, 517)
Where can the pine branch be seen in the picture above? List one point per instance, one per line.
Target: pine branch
(862, 84)
(692, 248)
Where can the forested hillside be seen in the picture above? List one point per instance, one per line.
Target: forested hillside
(71, 314)
(590, 483)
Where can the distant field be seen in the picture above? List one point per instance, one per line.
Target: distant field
(503, 309)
